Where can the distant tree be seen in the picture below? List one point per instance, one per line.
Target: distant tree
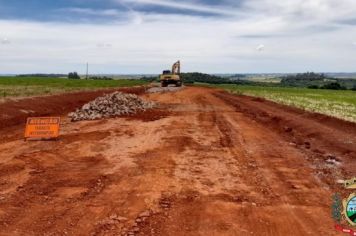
(205, 78)
(42, 75)
(306, 79)
(309, 76)
(353, 88)
(313, 87)
(100, 78)
(334, 86)
(73, 75)
(149, 78)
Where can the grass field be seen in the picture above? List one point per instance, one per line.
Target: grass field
(31, 86)
(337, 103)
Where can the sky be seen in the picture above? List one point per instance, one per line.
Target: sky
(147, 36)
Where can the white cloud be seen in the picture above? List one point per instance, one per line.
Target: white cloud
(104, 45)
(302, 15)
(182, 5)
(89, 11)
(301, 36)
(5, 41)
(260, 47)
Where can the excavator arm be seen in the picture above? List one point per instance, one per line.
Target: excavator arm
(176, 68)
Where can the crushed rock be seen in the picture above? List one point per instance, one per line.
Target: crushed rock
(111, 105)
(163, 89)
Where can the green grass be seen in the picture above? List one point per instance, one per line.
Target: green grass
(264, 80)
(336, 103)
(31, 86)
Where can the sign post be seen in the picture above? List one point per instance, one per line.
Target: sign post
(42, 128)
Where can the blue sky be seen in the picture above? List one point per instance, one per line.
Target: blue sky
(147, 36)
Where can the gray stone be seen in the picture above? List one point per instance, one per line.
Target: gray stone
(145, 214)
(110, 105)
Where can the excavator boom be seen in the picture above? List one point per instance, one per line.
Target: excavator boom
(176, 68)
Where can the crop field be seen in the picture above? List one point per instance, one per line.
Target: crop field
(336, 103)
(31, 86)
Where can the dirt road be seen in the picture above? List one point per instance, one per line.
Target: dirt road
(204, 163)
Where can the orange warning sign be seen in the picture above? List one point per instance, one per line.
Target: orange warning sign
(42, 127)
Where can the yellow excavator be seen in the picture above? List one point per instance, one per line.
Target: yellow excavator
(171, 77)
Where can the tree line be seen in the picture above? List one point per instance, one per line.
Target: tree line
(317, 81)
(74, 75)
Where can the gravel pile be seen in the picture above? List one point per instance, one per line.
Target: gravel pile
(111, 105)
(163, 89)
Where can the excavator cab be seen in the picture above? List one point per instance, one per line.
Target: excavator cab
(171, 77)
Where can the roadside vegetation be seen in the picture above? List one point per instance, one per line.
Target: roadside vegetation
(32, 86)
(304, 80)
(317, 81)
(336, 103)
(310, 91)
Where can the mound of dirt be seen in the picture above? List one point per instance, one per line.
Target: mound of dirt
(111, 105)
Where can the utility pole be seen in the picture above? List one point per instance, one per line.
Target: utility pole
(87, 71)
